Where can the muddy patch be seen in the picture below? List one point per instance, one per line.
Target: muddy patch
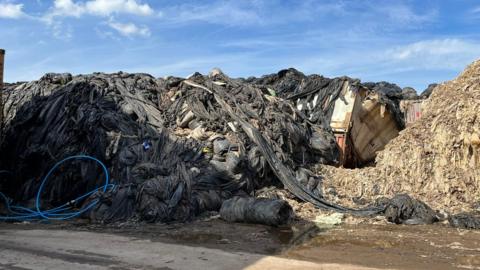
(381, 246)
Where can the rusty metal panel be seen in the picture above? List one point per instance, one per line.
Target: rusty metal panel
(2, 58)
(412, 110)
(340, 138)
(342, 145)
(415, 112)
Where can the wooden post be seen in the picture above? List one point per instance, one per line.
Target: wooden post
(2, 58)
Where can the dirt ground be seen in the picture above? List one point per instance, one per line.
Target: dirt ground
(381, 246)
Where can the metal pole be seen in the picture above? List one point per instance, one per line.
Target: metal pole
(2, 59)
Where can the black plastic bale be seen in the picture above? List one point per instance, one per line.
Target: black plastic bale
(262, 211)
(465, 221)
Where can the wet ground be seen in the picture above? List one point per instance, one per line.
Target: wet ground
(394, 246)
(378, 246)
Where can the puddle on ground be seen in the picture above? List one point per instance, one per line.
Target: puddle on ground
(393, 246)
(213, 233)
(382, 246)
(294, 235)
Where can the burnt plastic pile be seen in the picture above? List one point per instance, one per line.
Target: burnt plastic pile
(175, 147)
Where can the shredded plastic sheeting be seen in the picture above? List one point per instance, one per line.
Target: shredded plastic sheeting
(104, 116)
(314, 95)
(402, 209)
(175, 147)
(465, 220)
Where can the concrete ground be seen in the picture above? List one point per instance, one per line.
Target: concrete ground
(211, 243)
(64, 249)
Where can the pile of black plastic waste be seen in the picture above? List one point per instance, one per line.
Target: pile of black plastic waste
(174, 147)
(314, 95)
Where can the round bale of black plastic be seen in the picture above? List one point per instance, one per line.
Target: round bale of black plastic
(260, 211)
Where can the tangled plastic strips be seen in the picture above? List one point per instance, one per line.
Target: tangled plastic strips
(57, 213)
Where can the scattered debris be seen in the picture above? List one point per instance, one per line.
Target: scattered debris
(402, 209)
(436, 159)
(327, 220)
(363, 117)
(177, 147)
(465, 221)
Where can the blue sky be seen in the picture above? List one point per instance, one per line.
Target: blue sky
(411, 43)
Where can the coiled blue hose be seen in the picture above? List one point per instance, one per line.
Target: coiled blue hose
(61, 212)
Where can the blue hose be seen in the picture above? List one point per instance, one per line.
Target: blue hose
(61, 212)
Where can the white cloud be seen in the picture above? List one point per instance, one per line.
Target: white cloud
(432, 54)
(227, 13)
(11, 11)
(61, 31)
(130, 29)
(451, 54)
(251, 12)
(107, 7)
(101, 8)
(416, 64)
(405, 15)
(476, 9)
(67, 8)
(104, 8)
(275, 12)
